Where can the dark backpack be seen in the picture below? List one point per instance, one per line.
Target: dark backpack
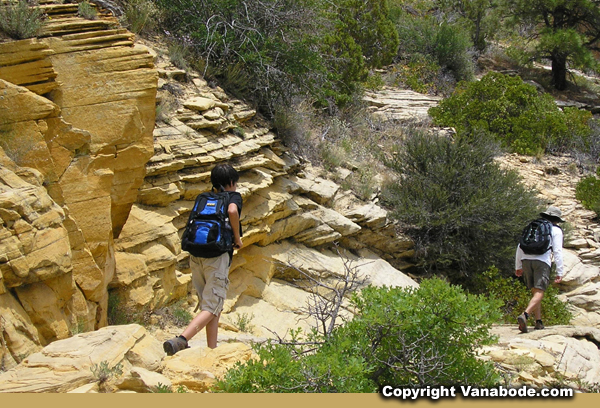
(536, 238)
(208, 233)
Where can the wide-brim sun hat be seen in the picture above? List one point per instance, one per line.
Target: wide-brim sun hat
(553, 212)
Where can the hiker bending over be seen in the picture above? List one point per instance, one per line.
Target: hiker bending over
(535, 265)
(210, 268)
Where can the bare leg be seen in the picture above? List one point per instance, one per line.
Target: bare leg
(212, 329)
(535, 304)
(198, 323)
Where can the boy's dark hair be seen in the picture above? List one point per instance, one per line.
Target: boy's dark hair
(223, 175)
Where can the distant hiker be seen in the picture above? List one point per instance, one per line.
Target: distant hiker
(542, 240)
(212, 233)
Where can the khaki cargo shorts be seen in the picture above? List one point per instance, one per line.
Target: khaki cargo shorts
(536, 274)
(210, 278)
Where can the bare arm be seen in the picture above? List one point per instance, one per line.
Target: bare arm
(234, 220)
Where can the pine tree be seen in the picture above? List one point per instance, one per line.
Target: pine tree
(567, 31)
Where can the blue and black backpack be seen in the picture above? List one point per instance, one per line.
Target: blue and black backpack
(208, 232)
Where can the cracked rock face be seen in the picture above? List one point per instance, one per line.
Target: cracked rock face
(77, 110)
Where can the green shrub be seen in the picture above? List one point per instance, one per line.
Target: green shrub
(408, 337)
(415, 337)
(588, 192)
(271, 45)
(448, 45)
(86, 10)
(513, 112)
(280, 369)
(140, 15)
(20, 19)
(422, 74)
(367, 21)
(453, 51)
(514, 296)
(463, 211)
(374, 82)
(272, 53)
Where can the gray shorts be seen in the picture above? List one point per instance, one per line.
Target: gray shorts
(536, 274)
(210, 277)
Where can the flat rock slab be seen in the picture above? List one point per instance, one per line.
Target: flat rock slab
(391, 104)
(67, 364)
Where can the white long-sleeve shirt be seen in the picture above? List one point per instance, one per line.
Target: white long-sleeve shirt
(556, 251)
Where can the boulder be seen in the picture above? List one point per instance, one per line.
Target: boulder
(68, 364)
(198, 369)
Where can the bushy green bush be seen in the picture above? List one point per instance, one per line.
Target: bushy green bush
(514, 296)
(367, 21)
(478, 16)
(284, 369)
(282, 50)
(463, 211)
(271, 42)
(424, 336)
(512, 111)
(21, 19)
(446, 44)
(408, 337)
(588, 192)
(453, 51)
(421, 73)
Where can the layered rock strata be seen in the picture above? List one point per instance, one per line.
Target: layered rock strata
(77, 109)
(95, 197)
(294, 220)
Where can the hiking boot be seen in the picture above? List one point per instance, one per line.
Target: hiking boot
(174, 345)
(539, 325)
(522, 320)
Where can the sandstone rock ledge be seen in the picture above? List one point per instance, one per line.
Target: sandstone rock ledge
(293, 217)
(77, 109)
(133, 359)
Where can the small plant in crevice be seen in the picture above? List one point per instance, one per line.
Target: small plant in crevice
(179, 54)
(165, 108)
(162, 389)
(243, 322)
(103, 372)
(180, 315)
(86, 10)
(120, 314)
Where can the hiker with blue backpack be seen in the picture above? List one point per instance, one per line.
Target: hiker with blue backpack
(212, 233)
(540, 243)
